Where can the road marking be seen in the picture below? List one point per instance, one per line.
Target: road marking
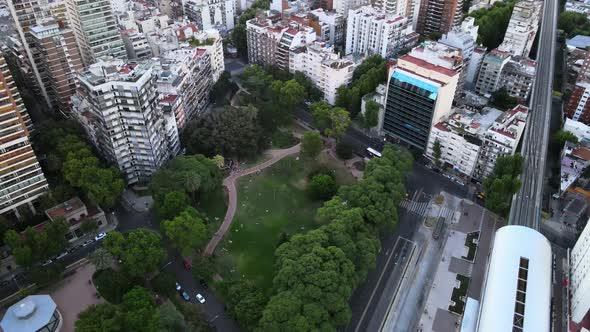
(76, 262)
(376, 286)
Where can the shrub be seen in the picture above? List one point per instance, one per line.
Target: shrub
(282, 139)
(322, 187)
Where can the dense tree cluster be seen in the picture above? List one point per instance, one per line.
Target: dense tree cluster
(503, 183)
(222, 87)
(332, 121)
(317, 271)
(311, 144)
(492, 23)
(367, 76)
(71, 157)
(322, 186)
(140, 251)
(238, 34)
(502, 100)
(36, 245)
(370, 118)
(573, 23)
(181, 178)
(187, 232)
(245, 302)
(231, 132)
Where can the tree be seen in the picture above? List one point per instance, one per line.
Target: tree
(187, 232)
(239, 39)
(286, 95)
(142, 253)
(562, 136)
(502, 100)
(100, 318)
(222, 87)
(203, 268)
(371, 116)
(139, 311)
(244, 302)
(231, 132)
(322, 187)
(343, 150)
(503, 183)
(171, 320)
(574, 23)
(219, 160)
(89, 226)
(437, 152)
(171, 204)
(492, 23)
(164, 284)
(192, 183)
(115, 243)
(311, 144)
(101, 258)
(321, 115)
(340, 120)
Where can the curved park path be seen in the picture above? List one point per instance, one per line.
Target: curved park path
(230, 183)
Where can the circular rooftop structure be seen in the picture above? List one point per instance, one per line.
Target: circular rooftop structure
(35, 313)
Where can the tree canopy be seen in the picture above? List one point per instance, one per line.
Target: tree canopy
(36, 245)
(502, 100)
(562, 136)
(311, 144)
(503, 183)
(493, 22)
(332, 121)
(574, 23)
(187, 232)
(370, 118)
(140, 251)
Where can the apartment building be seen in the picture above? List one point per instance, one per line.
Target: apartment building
(329, 26)
(578, 108)
(460, 137)
(522, 28)
(186, 73)
(488, 79)
(419, 95)
(518, 76)
(342, 7)
(474, 67)
(211, 14)
(464, 38)
(439, 16)
(326, 70)
(95, 29)
(500, 140)
(58, 61)
(117, 104)
(171, 8)
(270, 42)
(21, 179)
(371, 32)
(579, 272)
(136, 44)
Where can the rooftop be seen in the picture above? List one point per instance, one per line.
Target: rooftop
(65, 209)
(29, 314)
(427, 65)
(579, 41)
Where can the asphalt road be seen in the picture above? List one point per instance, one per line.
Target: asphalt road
(526, 204)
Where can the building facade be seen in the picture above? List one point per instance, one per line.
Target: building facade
(329, 26)
(211, 14)
(439, 16)
(578, 108)
(522, 28)
(117, 104)
(488, 79)
(58, 61)
(419, 94)
(21, 179)
(136, 45)
(95, 29)
(579, 284)
(371, 32)
(518, 76)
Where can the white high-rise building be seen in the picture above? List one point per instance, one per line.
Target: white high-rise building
(343, 6)
(392, 7)
(211, 14)
(95, 29)
(117, 105)
(522, 28)
(324, 68)
(371, 32)
(579, 284)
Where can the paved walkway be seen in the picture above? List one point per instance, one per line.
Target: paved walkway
(230, 183)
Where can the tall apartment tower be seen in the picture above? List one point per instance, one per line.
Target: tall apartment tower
(117, 104)
(95, 29)
(24, 15)
(58, 63)
(419, 94)
(439, 16)
(579, 284)
(522, 28)
(488, 79)
(21, 178)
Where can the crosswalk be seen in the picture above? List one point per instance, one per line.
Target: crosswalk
(421, 208)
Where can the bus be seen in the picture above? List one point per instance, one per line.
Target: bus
(373, 153)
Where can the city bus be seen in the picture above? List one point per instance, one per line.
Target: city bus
(373, 153)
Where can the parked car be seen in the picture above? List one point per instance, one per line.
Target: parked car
(100, 236)
(47, 262)
(178, 287)
(185, 296)
(200, 298)
(87, 242)
(62, 255)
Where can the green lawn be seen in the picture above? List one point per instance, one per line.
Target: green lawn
(213, 206)
(269, 203)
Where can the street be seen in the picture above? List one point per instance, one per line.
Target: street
(526, 204)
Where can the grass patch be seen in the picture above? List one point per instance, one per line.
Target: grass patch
(459, 294)
(270, 203)
(214, 207)
(471, 243)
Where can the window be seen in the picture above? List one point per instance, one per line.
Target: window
(519, 305)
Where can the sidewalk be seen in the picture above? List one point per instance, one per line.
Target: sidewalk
(138, 203)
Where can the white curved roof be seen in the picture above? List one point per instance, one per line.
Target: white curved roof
(499, 295)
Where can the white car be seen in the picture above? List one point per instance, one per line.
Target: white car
(47, 262)
(100, 236)
(62, 255)
(200, 298)
(178, 287)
